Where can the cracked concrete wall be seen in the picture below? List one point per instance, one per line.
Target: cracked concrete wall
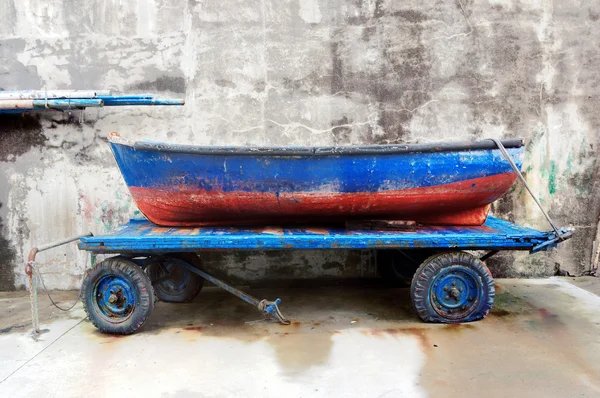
(302, 72)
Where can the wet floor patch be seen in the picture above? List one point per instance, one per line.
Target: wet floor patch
(356, 340)
(11, 328)
(15, 310)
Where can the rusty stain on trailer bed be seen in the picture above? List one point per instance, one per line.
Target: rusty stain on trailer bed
(271, 230)
(318, 231)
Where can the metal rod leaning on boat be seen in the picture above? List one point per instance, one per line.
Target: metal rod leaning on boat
(520, 175)
(32, 286)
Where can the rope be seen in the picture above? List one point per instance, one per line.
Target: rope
(263, 304)
(516, 169)
(48, 294)
(53, 302)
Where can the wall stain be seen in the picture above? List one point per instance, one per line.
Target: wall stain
(337, 81)
(513, 52)
(228, 84)
(341, 134)
(410, 15)
(552, 178)
(410, 69)
(18, 134)
(398, 84)
(163, 83)
(7, 261)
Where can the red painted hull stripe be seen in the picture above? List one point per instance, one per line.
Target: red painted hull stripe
(460, 203)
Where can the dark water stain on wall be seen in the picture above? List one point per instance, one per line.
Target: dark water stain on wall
(163, 83)
(400, 83)
(341, 132)
(337, 75)
(514, 54)
(18, 134)
(241, 267)
(15, 75)
(7, 260)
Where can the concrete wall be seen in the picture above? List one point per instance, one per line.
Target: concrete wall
(303, 72)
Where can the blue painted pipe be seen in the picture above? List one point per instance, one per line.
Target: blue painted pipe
(111, 97)
(119, 101)
(37, 104)
(67, 103)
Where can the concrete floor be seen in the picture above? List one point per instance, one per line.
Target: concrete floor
(362, 340)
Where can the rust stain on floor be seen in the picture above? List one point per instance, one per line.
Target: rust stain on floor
(536, 339)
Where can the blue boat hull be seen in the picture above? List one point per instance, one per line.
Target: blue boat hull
(188, 186)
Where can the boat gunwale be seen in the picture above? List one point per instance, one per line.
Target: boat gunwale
(316, 150)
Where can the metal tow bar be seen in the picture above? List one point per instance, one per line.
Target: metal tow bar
(270, 309)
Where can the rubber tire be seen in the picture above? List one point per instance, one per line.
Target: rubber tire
(421, 283)
(396, 269)
(144, 296)
(187, 294)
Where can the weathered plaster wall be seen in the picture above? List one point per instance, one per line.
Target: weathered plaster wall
(303, 72)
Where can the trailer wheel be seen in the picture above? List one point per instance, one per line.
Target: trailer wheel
(175, 283)
(397, 267)
(117, 296)
(452, 288)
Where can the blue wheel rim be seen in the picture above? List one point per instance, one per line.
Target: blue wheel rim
(114, 298)
(455, 292)
(178, 277)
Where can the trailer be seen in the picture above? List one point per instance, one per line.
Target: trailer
(448, 284)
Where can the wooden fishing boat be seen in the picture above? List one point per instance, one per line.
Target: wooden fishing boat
(436, 184)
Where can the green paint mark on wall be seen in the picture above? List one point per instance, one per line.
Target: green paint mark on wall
(552, 178)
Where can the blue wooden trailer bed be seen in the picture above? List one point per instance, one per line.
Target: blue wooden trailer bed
(449, 286)
(141, 236)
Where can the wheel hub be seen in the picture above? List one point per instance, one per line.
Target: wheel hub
(175, 280)
(114, 298)
(454, 292)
